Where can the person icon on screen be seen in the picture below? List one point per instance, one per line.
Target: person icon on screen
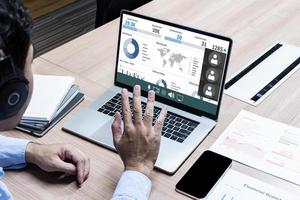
(208, 91)
(214, 60)
(211, 76)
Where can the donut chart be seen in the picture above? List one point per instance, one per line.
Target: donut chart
(161, 83)
(131, 48)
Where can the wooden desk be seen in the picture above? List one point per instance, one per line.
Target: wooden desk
(253, 25)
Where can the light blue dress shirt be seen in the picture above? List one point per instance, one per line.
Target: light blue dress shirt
(12, 156)
(131, 186)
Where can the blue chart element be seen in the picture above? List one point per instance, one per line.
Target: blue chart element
(132, 41)
(173, 40)
(130, 28)
(161, 83)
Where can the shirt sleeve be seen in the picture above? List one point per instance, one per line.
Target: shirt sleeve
(4, 193)
(133, 185)
(12, 152)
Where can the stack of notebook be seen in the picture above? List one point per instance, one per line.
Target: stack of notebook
(53, 97)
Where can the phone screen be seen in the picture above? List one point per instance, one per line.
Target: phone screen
(203, 175)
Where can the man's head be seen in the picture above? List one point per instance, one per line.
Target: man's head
(15, 42)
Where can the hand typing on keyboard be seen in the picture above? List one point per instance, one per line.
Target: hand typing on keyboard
(138, 145)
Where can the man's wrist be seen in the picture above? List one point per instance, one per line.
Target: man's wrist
(31, 151)
(144, 169)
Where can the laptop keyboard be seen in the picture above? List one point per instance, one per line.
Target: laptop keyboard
(176, 127)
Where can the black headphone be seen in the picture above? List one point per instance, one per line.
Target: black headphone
(13, 86)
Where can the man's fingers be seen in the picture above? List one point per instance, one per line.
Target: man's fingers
(80, 160)
(148, 115)
(87, 170)
(80, 171)
(116, 128)
(160, 120)
(137, 107)
(126, 107)
(61, 166)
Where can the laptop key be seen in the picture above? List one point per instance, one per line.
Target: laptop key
(101, 109)
(173, 138)
(177, 124)
(185, 132)
(190, 129)
(109, 104)
(172, 121)
(167, 135)
(172, 117)
(111, 114)
(114, 101)
(180, 135)
(105, 111)
(184, 121)
(175, 128)
(180, 140)
(168, 130)
(118, 107)
(178, 119)
(170, 126)
(115, 97)
(184, 126)
(106, 107)
(192, 124)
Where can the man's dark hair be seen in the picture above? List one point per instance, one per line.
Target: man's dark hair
(15, 31)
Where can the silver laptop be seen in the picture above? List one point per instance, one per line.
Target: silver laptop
(184, 66)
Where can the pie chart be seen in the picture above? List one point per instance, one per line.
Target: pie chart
(131, 48)
(161, 83)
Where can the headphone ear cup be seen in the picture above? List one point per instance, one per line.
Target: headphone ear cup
(13, 96)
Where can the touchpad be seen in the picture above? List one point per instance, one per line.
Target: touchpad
(103, 135)
(87, 122)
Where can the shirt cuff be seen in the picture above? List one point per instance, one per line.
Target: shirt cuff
(133, 185)
(12, 152)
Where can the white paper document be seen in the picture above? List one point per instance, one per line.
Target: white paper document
(264, 144)
(237, 186)
(48, 93)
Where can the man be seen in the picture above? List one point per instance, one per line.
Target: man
(137, 145)
(16, 54)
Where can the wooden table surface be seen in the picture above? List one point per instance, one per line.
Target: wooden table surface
(253, 25)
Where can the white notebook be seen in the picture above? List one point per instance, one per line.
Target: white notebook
(48, 93)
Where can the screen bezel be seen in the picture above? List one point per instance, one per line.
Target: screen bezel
(165, 100)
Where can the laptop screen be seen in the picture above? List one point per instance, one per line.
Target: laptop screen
(185, 67)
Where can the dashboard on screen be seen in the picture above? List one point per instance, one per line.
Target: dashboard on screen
(180, 64)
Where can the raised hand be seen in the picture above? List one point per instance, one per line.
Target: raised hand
(138, 145)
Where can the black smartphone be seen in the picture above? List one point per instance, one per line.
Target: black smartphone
(203, 175)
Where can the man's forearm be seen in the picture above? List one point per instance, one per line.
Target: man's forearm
(12, 152)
